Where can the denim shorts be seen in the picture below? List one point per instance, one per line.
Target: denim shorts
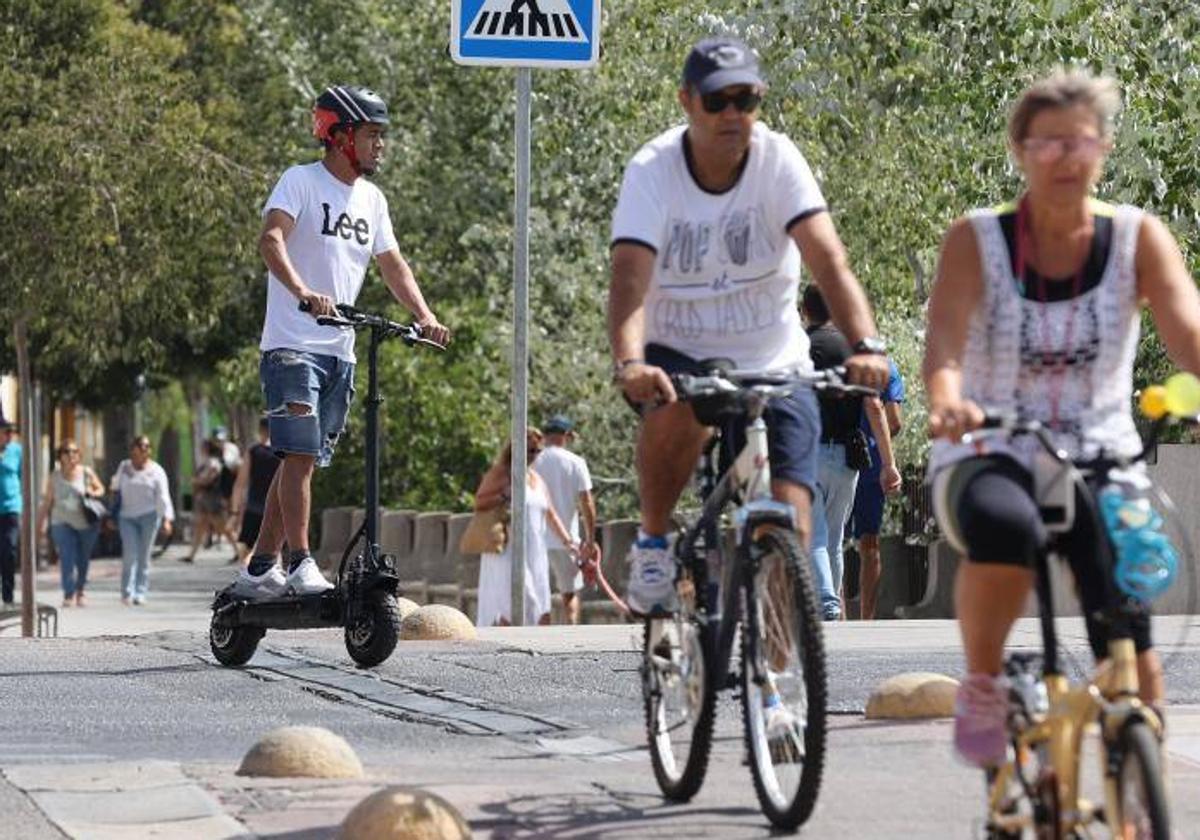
(793, 424)
(325, 384)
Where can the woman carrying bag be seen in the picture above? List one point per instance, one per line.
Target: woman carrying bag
(495, 567)
(65, 517)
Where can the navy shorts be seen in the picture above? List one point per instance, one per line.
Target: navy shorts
(867, 516)
(793, 424)
(325, 384)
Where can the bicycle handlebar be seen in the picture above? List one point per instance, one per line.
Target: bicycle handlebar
(994, 422)
(352, 318)
(766, 383)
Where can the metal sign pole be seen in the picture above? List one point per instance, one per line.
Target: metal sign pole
(520, 364)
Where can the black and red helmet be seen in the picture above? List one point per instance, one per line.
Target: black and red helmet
(342, 105)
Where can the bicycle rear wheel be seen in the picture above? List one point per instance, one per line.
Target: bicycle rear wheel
(680, 703)
(1140, 789)
(783, 680)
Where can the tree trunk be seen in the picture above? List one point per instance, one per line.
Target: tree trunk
(169, 459)
(118, 435)
(25, 418)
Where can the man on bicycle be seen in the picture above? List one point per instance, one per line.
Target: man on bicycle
(713, 220)
(322, 224)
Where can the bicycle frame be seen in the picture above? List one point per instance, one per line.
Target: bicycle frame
(1109, 698)
(750, 470)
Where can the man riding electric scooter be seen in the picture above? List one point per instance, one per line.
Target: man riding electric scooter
(322, 224)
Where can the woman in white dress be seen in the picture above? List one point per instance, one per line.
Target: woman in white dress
(495, 570)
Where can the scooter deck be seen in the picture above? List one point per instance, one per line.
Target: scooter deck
(289, 612)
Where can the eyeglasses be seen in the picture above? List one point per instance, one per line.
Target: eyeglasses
(745, 101)
(1050, 149)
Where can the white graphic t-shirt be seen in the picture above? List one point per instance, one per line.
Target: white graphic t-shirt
(726, 272)
(339, 227)
(566, 475)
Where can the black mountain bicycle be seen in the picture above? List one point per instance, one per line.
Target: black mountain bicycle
(759, 583)
(363, 599)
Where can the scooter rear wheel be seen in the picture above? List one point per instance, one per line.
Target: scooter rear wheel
(373, 636)
(233, 646)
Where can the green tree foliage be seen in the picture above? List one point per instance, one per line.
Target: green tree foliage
(168, 120)
(121, 191)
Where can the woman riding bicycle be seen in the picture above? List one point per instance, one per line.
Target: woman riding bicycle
(1036, 314)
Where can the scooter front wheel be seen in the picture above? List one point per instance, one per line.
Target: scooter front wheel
(233, 646)
(373, 636)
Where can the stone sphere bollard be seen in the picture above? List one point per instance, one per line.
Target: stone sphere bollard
(404, 813)
(913, 695)
(308, 751)
(435, 622)
(406, 607)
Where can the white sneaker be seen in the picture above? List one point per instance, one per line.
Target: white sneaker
(270, 584)
(785, 741)
(306, 579)
(651, 581)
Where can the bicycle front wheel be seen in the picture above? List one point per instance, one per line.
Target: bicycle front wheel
(1139, 786)
(680, 703)
(783, 680)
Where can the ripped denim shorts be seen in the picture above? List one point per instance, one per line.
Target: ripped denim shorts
(324, 385)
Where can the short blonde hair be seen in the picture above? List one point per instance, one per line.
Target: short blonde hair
(1065, 89)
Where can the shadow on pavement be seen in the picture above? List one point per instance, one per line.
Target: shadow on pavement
(607, 814)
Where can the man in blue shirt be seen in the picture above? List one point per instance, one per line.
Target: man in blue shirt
(10, 506)
(867, 516)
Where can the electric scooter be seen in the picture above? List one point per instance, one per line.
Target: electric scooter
(363, 599)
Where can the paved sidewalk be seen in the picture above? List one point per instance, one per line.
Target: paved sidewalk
(179, 597)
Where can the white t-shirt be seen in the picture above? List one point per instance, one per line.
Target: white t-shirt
(566, 475)
(726, 273)
(339, 227)
(143, 491)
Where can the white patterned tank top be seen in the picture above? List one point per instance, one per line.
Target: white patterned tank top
(1068, 360)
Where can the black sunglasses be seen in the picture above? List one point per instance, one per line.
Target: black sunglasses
(746, 101)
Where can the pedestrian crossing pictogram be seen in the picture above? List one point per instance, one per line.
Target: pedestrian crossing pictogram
(525, 33)
(551, 20)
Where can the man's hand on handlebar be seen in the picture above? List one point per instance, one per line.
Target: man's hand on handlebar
(867, 369)
(643, 383)
(317, 305)
(434, 330)
(953, 419)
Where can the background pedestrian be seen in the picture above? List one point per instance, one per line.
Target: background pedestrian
(874, 484)
(10, 506)
(209, 510)
(842, 454)
(569, 484)
(495, 570)
(62, 516)
(145, 507)
(250, 492)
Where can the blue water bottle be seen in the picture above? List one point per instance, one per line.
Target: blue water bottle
(1146, 561)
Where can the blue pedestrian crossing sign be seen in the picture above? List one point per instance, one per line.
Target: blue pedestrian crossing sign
(525, 33)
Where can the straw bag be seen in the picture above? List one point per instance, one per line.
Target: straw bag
(487, 532)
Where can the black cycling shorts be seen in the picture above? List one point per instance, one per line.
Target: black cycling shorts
(999, 521)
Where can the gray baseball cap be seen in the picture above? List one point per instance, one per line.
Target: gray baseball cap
(715, 63)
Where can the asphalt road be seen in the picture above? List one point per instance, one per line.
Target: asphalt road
(530, 732)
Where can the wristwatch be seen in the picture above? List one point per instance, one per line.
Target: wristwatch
(873, 345)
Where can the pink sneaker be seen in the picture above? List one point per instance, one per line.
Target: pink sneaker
(980, 718)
